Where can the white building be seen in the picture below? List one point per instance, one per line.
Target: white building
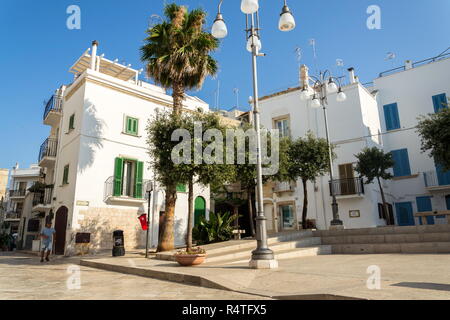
(96, 157)
(18, 209)
(383, 115)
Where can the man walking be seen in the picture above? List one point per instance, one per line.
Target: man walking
(47, 241)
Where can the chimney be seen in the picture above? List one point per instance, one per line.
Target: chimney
(352, 75)
(94, 54)
(304, 76)
(408, 65)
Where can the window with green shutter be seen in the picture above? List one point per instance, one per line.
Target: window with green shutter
(131, 126)
(181, 187)
(66, 175)
(126, 183)
(72, 122)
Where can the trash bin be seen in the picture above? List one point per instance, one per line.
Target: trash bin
(118, 247)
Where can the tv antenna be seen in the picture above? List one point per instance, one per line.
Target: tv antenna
(236, 93)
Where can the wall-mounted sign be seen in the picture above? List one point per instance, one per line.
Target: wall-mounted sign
(83, 203)
(354, 214)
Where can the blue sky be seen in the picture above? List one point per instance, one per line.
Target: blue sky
(38, 49)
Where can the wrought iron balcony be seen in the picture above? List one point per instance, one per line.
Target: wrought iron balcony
(347, 187)
(53, 105)
(48, 148)
(17, 193)
(43, 198)
(137, 195)
(284, 187)
(13, 215)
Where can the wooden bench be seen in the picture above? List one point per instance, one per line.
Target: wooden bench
(237, 234)
(423, 215)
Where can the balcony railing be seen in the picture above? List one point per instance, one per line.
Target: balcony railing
(434, 179)
(284, 187)
(109, 190)
(13, 215)
(43, 197)
(347, 187)
(48, 148)
(54, 104)
(17, 193)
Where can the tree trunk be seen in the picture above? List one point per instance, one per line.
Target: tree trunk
(250, 211)
(190, 224)
(166, 241)
(305, 203)
(236, 215)
(385, 209)
(177, 95)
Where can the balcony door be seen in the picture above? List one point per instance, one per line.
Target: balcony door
(347, 183)
(286, 220)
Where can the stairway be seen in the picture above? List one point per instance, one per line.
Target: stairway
(392, 239)
(285, 246)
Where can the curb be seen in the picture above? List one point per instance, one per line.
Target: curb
(160, 275)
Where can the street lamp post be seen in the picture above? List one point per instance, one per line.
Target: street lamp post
(149, 189)
(321, 88)
(262, 256)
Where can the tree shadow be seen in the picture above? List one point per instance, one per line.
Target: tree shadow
(92, 134)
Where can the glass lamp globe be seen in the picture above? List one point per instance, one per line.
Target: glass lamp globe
(305, 94)
(249, 6)
(341, 97)
(287, 21)
(332, 87)
(315, 103)
(219, 28)
(251, 40)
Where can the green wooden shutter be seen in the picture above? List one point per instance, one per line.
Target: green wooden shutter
(138, 180)
(135, 126)
(131, 126)
(66, 175)
(181, 187)
(72, 122)
(118, 171)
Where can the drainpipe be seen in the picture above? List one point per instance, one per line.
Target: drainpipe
(94, 54)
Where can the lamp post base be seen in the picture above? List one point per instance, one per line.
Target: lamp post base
(263, 264)
(336, 225)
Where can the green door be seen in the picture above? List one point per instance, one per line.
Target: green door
(199, 209)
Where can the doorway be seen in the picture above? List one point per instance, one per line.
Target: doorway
(199, 210)
(60, 228)
(286, 219)
(405, 215)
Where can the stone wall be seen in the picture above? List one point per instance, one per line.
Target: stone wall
(101, 222)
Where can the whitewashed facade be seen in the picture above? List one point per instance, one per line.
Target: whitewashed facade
(364, 121)
(100, 165)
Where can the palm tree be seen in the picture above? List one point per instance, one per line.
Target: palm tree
(177, 52)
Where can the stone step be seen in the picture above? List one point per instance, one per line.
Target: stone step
(276, 247)
(237, 245)
(378, 248)
(384, 230)
(279, 255)
(388, 238)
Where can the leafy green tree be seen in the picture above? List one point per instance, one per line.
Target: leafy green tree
(372, 164)
(306, 159)
(177, 52)
(205, 173)
(434, 130)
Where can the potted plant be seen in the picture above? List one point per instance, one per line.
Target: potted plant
(191, 257)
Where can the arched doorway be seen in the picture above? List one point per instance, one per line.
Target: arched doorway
(60, 227)
(200, 209)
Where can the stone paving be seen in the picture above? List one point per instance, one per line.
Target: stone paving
(22, 276)
(402, 276)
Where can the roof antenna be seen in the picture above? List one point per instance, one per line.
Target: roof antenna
(236, 92)
(390, 56)
(298, 53)
(312, 43)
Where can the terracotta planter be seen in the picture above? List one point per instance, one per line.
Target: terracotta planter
(190, 259)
